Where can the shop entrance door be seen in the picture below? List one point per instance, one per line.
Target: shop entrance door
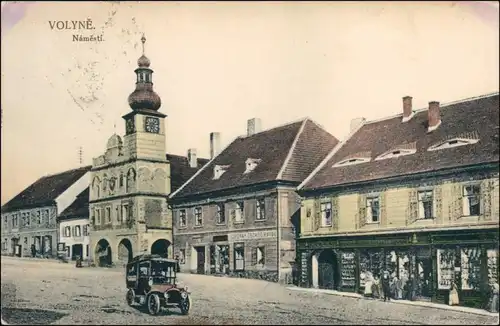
(423, 272)
(200, 260)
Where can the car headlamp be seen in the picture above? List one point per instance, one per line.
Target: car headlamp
(150, 282)
(184, 295)
(165, 295)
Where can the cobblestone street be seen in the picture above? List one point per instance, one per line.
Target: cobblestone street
(41, 292)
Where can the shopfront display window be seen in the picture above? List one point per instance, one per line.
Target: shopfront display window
(348, 269)
(471, 268)
(445, 268)
(371, 264)
(219, 259)
(492, 255)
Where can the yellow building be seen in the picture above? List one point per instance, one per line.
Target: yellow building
(417, 195)
(130, 183)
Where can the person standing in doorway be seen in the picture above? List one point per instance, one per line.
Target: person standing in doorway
(453, 296)
(386, 287)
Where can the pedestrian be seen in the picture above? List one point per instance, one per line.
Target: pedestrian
(376, 287)
(368, 284)
(493, 307)
(33, 251)
(386, 286)
(453, 295)
(398, 295)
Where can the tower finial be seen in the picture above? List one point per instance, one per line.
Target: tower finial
(143, 40)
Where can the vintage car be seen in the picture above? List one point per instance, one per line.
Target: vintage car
(152, 282)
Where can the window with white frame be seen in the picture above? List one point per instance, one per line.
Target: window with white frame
(425, 205)
(108, 214)
(471, 200)
(125, 213)
(326, 214)
(198, 216)
(372, 210)
(260, 209)
(77, 232)
(182, 218)
(98, 213)
(237, 212)
(85, 230)
(117, 214)
(261, 255)
(239, 256)
(220, 217)
(67, 231)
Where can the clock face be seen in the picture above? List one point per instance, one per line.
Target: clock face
(152, 125)
(130, 128)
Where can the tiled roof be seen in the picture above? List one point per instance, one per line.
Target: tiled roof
(79, 208)
(464, 119)
(288, 153)
(45, 190)
(180, 171)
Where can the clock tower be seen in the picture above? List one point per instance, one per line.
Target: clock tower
(144, 126)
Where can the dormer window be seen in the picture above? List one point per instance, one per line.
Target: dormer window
(454, 142)
(396, 153)
(352, 161)
(251, 164)
(219, 170)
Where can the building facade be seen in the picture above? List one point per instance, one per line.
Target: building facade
(237, 216)
(29, 220)
(416, 195)
(129, 214)
(74, 228)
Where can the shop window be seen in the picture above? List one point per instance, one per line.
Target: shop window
(445, 268)
(372, 210)
(219, 259)
(239, 256)
(326, 214)
(182, 218)
(260, 256)
(371, 265)
(492, 255)
(198, 216)
(261, 209)
(471, 268)
(220, 217)
(425, 203)
(471, 200)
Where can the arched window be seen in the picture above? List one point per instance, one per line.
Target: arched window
(131, 177)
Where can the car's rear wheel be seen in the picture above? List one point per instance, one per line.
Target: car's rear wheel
(130, 297)
(185, 305)
(153, 304)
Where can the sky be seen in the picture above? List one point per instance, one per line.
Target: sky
(218, 64)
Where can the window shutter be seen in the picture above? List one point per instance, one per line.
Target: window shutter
(412, 213)
(486, 187)
(335, 213)
(254, 256)
(317, 214)
(361, 210)
(456, 208)
(270, 207)
(383, 211)
(438, 199)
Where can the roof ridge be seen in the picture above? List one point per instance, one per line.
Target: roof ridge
(339, 145)
(67, 171)
(200, 170)
(292, 149)
(442, 105)
(276, 127)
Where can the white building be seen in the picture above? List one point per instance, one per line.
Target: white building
(74, 228)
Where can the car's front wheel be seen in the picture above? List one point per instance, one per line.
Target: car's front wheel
(153, 304)
(130, 297)
(185, 305)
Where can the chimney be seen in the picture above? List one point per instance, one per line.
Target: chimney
(433, 116)
(355, 123)
(407, 108)
(253, 126)
(214, 144)
(192, 160)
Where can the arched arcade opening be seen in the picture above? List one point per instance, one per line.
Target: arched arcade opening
(160, 247)
(125, 253)
(103, 253)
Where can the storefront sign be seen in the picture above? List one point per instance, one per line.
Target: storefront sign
(235, 237)
(372, 242)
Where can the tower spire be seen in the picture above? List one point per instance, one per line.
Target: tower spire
(143, 40)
